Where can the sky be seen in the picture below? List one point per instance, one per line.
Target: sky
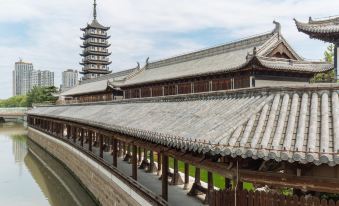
(47, 33)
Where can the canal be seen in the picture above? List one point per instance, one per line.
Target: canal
(30, 177)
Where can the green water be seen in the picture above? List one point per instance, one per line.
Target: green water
(31, 177)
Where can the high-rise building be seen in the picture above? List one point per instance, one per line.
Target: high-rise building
(22, 78)
(69, 79)
(42, 78)
(25, 78)
(95, 49)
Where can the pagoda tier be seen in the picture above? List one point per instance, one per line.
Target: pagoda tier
(95, 62)
(326, 30)
(95, 53)
(97, 36)
(95, 44)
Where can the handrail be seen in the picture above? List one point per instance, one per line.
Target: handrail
(144, 192)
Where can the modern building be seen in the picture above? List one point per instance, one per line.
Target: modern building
(25, 78)
(42, 78)
(95, 49)
(22, 78)
(69, 79)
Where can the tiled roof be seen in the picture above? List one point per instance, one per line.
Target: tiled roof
(295, 124)
(330, 25)
(95, 24)
(294, 65)
(225, 58)
(98, 84)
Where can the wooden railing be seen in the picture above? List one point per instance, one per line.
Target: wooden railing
(245, 198)
(130, 182)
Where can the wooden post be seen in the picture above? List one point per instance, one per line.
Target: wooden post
(144, 162)
(196, 184)
(101, 146)
(90, 136)
(164, 177)
(209, 187)
(228, 183)
(75, 134)
(159, 163)
(134, 162)
(115, 152)
(151, 167)
(82, 137)
(139, 155)
(187, 176)
(176, 179)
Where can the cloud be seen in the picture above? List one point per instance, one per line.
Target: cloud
(142, 28)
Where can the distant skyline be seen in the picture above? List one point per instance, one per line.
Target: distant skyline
(47, 33)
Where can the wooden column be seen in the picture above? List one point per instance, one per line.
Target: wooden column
(197, 184)
(164, 177)
(176, 179)
(90, 136)
(115, 152)
(187, 176)
(134, 162)
(209, 187)
(101, 146)
(82, 137)
(151, 167)
(75, 134)
(228, 184)
(144, 162)
(139, 155)
(159, 163)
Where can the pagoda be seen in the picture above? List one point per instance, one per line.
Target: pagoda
(95, 49)
(326, 30)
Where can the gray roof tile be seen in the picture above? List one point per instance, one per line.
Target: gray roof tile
(296, 124)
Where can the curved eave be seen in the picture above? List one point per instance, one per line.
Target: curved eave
(87, 36)
(285, 65)
(95, 53)
(318, 30)
(95, 27)
(95, 71)
(85, 45)
(95, 62)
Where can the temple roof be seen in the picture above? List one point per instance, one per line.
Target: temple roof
(98, 84)
(295, 124)
(326, 30)
(226, 58)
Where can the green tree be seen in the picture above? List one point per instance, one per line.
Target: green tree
(40, 95)
(329, 75)
(16, 101)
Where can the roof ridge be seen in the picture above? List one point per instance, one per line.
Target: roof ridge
(222, 48)
(267, 90)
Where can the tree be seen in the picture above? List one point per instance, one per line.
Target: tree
(329, 75)
(39, 95)
(16, 101)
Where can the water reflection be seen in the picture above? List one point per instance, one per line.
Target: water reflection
(29, 176)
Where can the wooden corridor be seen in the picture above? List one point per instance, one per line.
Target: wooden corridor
(97, 142)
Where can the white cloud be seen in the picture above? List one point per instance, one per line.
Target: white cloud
(138, 28)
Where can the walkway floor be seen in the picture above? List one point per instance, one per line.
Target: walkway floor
(176, 194)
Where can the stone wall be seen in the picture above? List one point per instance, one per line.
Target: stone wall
(108, 189)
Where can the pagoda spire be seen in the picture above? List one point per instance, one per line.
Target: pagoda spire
(95, 10)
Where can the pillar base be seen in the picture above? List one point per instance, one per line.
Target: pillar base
(194, 190)
(176, 179)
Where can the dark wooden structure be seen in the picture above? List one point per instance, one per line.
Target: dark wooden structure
(259, 171)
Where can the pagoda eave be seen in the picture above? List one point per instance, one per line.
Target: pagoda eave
(95, 71)
(95, 53)
(85, 45)
(87, 36)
